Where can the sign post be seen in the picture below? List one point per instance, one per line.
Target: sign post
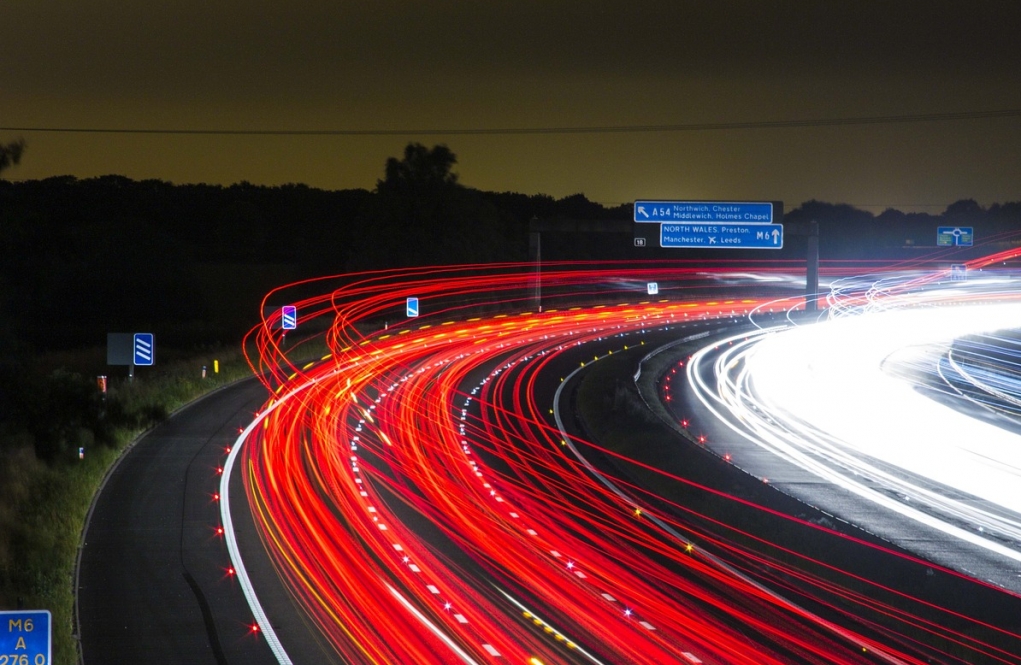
(26, 636)
(129, 349)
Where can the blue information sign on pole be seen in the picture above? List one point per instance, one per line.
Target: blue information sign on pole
(707, 211)
(949, 236)
(412, 307)
(26, 636)
(722, 236)
(289, 317)
(143, 349)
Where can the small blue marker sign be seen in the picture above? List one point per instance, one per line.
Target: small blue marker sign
(26, 636)
(143, 349)
(289, 317)
(412, 307)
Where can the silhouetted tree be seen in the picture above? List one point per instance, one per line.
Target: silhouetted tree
(422, 169)
(10, 154)
(421, 215)
(965, 208)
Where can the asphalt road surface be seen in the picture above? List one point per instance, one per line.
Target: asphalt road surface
(153, 581)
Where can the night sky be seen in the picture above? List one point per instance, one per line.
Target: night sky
(490, 64)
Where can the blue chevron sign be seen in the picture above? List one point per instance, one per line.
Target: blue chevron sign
(289, 317)
(144, 349)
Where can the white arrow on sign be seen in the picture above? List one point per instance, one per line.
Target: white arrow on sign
(776, 236)
(641, 211)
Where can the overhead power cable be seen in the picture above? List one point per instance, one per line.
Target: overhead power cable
(512, 131)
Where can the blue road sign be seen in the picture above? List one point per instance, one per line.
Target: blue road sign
(949, 236)
(412, 307)
(705, 211)
(722, 236)
(958, 272)
(143, 349)
(26, 636)
(288, 317)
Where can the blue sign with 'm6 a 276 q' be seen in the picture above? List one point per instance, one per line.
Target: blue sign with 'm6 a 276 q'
(26, 636)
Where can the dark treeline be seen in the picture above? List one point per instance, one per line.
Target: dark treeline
(80, 258)
(846, 232)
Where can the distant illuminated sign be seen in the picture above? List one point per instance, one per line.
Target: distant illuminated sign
(722, 236)
(412, 307)
(26, 636)
(707, 211)
(958, 272)
(950, 236)
(652, 288)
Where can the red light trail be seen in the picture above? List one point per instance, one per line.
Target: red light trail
(421, 505)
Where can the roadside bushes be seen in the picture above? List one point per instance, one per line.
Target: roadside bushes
(46, 489)
(64, 412)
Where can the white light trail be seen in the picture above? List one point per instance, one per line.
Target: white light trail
(841, 399)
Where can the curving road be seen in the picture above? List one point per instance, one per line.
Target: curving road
(153, 583)
(427, 492)
(450, 420)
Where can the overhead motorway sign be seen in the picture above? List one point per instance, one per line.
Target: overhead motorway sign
(747, 212)
(289, 317)
(26, 636)
(722, 236)
(143, 349)
(950, 236)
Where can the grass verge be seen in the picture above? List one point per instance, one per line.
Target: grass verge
(43, 507)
